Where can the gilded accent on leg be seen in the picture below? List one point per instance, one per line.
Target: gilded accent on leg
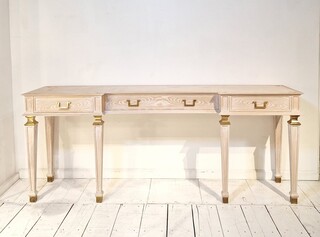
(225, 200)
(99, 199)
(31, 121)
(224, 120)
(33, 198)
(50, 179)
(293, 121)
(294, 200)
(277, 179)
(98, 120)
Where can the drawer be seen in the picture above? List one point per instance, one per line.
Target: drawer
(260, 103)
(64, 104)
(159, 102)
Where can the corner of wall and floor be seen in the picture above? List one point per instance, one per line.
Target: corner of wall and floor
(8, 172)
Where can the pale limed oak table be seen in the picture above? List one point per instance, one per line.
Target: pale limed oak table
(262, 100)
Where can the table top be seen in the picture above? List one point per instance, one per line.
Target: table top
(164, 89)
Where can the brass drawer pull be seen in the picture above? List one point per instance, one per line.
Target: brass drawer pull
(133, 105)
(64, 107)
(189, 105)
(256, 106)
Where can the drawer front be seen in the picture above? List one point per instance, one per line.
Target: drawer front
(159, 102)
(64, 104)
(260, 103)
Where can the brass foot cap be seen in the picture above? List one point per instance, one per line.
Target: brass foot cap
(33, 199)
(50, 179)
(277, 179)
(293, 200)
(225, 200)
(99, 199)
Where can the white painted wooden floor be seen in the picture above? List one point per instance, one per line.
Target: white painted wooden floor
(160, 207)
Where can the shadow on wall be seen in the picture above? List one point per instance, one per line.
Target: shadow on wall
(198, 134)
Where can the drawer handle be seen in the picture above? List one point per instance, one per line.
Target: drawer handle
(67, 106)
(256, 106)
(133, 105)
(189, 105)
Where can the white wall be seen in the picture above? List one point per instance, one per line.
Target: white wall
(168, 42)
(7, 160)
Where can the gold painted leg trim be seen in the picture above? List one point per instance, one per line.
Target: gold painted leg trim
(50, 179)
(225, 200)
(31, 121)
(99, 199)
(294, 120)
(33, 199)
(293, 200)
(98, 120)
(224, 120)
(277, 179)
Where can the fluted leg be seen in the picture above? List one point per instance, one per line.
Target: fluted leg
(98, 137)
(224, 136)
(31, 134)
(49, 125)
(294, 156)
(277, 144)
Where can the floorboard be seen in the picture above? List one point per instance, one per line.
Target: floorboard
(233, 221)
(311, 190)
(76, 221)
(180, 222)
(160, 207)
(206, 221)
(286, 221)
(128, 221)
(7, 212)
(25, 220)
(175, 191)
(67, 191)
(15, 191)
(50, 220)
(259, 221)
(102, 220)
(154, 221)
(239, 192)
(309, 217)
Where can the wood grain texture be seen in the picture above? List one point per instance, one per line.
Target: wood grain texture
(160, 102)
(206, 221)
(23, 223)
(49, 128)
(264, 100)
(76, 221)
(273, 103)
(309, 217)
(138, 89)
(233, 221)
(154, 221)
(50, 220)
(123, 227)
(102, 220)
(259, 221)
(180, 222)
(286, 221)
(67, 104)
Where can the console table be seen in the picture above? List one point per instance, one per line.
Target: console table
(262, 100)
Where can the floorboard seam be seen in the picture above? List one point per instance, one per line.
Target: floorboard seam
(63, 219)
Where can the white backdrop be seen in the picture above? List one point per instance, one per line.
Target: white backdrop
(81, 42)
(7, 161)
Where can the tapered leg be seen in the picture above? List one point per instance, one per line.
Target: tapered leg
(49, 125)
(98, 137)
(224, 136)
(294, 156)
(31, 134)
(277, 144)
